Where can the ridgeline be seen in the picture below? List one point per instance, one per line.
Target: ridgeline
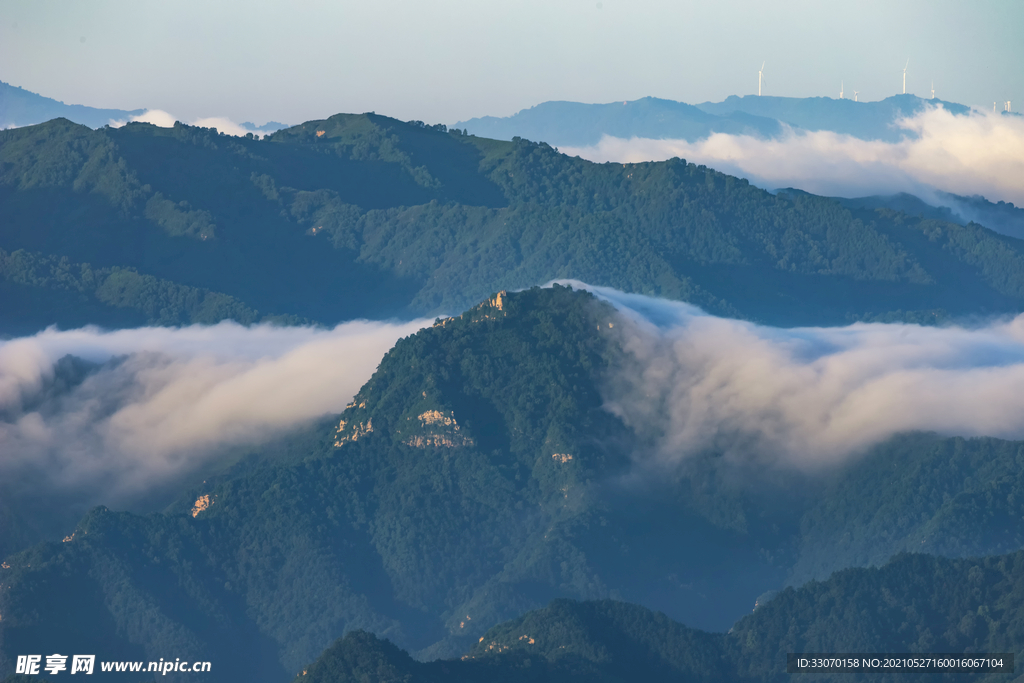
(365, 216)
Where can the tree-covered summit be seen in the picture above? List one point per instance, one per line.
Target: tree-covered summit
(466, 497)
(519, 373)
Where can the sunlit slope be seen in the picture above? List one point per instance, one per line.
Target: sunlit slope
(366, 216)
(477, 476)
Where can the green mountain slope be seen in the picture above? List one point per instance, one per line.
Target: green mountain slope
(914, 604)
(466, 484)
(40, 290)
(365, 216)
(474, 477)
(293, 556)
(566, 641)
(916, 493)
(1001, 217)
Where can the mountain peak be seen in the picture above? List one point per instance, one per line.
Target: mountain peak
(531, 357)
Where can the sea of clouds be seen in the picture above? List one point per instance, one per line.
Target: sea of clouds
(807, 398)
(978, 153)
(163, 119)
(163, 402)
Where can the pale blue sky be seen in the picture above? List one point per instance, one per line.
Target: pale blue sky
(442, 61)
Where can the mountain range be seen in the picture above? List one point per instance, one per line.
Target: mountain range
(574, 124)
(864, 120)
(147, 225)
(20, 107)
(933, 605)
(480, 511)
(476, 476)
(1002, 217)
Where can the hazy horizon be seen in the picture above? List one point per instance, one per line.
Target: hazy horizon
(455, 60)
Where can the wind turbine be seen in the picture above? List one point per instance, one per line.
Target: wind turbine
(933, 90)
(905, 77)
(855, 93)
(760, 77)
(841, 84)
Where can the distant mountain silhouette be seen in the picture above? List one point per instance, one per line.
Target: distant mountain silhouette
(865, 120)
(20, 107)
(577, 124)
(268, 127)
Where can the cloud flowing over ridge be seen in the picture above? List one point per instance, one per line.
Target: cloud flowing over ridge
(807, 398)
(164, 401)
(980, 153)
(163, 119)
(161, 403)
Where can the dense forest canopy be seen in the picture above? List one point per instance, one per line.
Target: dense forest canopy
(476, 476)
(913, 604)
(365, 216)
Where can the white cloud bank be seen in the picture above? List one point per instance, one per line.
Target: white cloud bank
(807, 398)
(980, 153)
(165, 401)
(163, 119)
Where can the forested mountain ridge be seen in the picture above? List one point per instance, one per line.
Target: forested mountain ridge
(287, 558)
(365, 216)
(38, 290)
(914, 604)
(916, 493)
(477, 476)
(1002, 217)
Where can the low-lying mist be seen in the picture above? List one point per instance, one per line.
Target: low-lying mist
(163, 119)
(980, 153)
(117, 414)
(132, 409)
(805, 398)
